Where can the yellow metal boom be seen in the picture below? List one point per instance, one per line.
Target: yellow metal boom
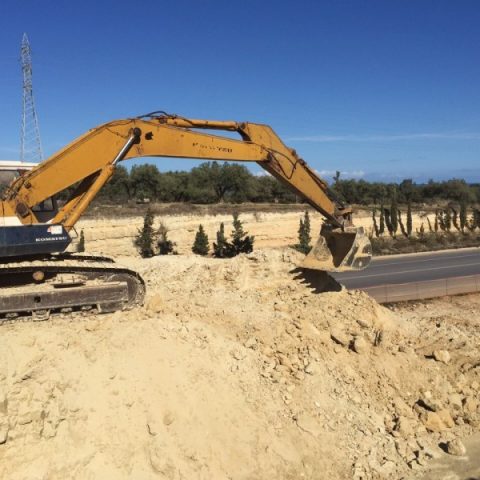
(89, 162)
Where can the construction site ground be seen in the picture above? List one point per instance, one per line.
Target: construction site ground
(244, 368)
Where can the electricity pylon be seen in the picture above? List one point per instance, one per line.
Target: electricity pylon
(30, 143)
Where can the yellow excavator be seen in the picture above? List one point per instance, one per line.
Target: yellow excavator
(38, 277)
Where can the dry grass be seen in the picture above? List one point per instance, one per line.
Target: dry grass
(132, 209)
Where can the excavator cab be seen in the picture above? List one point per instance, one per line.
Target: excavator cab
(10, 170)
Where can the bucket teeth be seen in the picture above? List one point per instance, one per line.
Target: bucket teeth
(340, 250)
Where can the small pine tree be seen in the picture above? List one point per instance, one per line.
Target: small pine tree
(220, 248)
(81, 243)
(145, 238)
(200, 245)
(241, 241)
(304, 237)
(164, 245)
(409, 219)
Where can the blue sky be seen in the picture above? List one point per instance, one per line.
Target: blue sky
(376, 89)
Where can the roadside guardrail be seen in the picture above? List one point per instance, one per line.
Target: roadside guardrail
(422, 290)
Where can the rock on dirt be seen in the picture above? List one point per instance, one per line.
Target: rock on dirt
(340, 337)
(441, 356)
(361, 345)
(456, 447)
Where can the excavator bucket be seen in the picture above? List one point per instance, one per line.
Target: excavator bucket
(340, 250)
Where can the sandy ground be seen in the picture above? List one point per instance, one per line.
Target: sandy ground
(239, 369)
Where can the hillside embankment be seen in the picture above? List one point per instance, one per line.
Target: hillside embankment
(243, 368)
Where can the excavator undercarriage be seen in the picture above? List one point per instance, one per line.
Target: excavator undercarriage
(38, 287)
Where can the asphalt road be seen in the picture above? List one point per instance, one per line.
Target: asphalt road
(395, 269)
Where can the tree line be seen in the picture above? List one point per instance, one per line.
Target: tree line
(213, 182)
(374, 193)
(210, 182)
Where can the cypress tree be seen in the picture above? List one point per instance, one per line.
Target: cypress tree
(381, 227)
(463, 214)
(442, 221)
(200, 245)
(388, 221)
(430, 228)
(304, 238)
(409, 219)
(393, 213)
(447, 219)
(306, 223)
(455, 218)
(374, 220)
(81, 242)
(402, 226)
(476, 218)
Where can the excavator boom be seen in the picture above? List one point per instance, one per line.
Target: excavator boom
(35, 227)
(89, 162)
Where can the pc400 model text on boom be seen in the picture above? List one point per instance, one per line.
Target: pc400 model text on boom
(37, 277)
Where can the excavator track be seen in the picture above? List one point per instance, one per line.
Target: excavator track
(37, 288)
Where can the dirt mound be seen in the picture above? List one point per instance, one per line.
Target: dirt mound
(242, 368)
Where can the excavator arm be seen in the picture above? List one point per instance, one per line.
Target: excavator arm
(89, 162)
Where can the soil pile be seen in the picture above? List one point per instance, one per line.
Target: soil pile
(237, 369)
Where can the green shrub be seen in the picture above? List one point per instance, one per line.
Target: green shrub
(164, 245)
(145, 238)
(241, 241)
(200, 245)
